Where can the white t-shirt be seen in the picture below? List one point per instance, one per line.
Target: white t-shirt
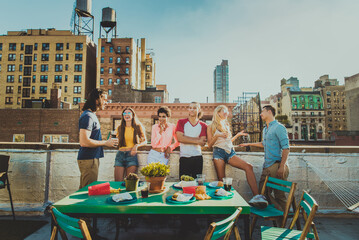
(189, 130)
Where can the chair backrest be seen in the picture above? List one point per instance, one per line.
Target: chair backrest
(309, 207)
(284, 186)
(4, 163)
(72, 226)
(223, 228)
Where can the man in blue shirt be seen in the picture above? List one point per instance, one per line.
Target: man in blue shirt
(90, 138)
(276, 151)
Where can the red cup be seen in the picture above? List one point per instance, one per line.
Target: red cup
(99, 189)
(189, 190)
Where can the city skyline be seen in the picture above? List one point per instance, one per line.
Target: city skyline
(264, 42)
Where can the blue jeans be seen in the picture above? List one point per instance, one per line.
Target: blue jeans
(219, 153)
(124, 159)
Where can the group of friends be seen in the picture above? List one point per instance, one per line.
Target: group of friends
(191, 134)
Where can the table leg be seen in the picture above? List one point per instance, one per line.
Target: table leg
(52, 227)
(246, 226)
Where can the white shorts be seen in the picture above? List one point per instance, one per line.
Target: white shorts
(154, 156)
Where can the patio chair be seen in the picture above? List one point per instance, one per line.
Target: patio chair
(272, 213)
(4, 179)
(65, 224)
(224, 228)
(309, 207)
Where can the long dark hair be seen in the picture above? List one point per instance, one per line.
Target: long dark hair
(91, 102)
(138, 133)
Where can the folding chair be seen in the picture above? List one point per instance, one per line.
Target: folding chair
(4, 179)
(65, 224)
(224, 228)
(270, 212)
(309, 207)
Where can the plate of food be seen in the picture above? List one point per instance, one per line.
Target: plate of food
(178, 197)
(215, 184)
(201, 193)
(122, 198)
(221, 194)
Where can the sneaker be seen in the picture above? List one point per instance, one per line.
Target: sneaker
(258, 201)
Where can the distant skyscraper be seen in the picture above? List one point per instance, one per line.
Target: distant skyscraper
(221, 82)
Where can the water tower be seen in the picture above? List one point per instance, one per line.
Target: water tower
(83, 19)
(108, 23)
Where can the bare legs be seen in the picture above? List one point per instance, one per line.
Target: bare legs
(120, 172)
(235, 161)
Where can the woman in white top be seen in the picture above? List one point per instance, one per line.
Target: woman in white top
(220, 138)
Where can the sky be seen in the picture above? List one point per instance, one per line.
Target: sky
(263, 41)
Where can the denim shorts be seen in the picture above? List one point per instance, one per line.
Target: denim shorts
(124, 159)
(219, 153)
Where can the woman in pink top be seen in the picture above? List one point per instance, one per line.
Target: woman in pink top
(163, 134)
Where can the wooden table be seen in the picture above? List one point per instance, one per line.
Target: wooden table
(79, 204)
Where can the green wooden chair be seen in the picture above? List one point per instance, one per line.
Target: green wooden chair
(224, 228)
(309, 207)
(272, 213)
(65, 224)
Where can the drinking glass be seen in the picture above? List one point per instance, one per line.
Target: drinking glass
(227, 181)
(201, 179)
(145, 190)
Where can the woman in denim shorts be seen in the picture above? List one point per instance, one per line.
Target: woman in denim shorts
(220, 137)
(131, 135)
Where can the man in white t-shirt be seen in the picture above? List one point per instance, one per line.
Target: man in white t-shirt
(192, 135)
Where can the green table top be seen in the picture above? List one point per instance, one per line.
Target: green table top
(80, 202)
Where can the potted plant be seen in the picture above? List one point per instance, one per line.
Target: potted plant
(156, 174)
(131, 182)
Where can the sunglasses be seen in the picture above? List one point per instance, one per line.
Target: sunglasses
(127, 113)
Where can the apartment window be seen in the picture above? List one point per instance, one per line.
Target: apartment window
(34, 79)
(66, 78)
(33, 89)
(58, 68)
(28, 60)
(22, 47)
(77, 100)
(319, 113)
(67, 45)
(118, 81)
(8, 100)
(56, 138)
(27, 82)
(101, 81)
(127, 71)
(127, 60)
(44, 68)
(111, 49)
(58, 78)
(127, 49)
(65, 99)
(10, 78)
(59, 46)
(118, 49)
(65, 89)
(21, 57)
(35, 57)
(110, 60)
(11, 67)
(158, 99)
(11, 57)
(102, 60)
(78, 68)
(66, 67)
(110, 81)
(110, 92)
(45, 46)
(26, 92)
(34, 68)
(19, 89)
(0, 67)
(35, 46)
(9, 89)
(18, 138)
(20, 68)
(118, 70)
(12, 46)
(77, 89)
(79, 46)
(78, 57)
(43, 89)
(0, 46)
(77, 78)
(67, 56)
(102, 49)
(0, 56)
(110, 70)
(28, 49)
(43, 78)
(101, 70)
(126, 81)
(44, 57)
(59, 57)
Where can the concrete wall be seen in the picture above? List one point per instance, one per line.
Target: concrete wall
(44, 173)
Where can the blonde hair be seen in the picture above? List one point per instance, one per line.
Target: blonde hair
(218, 123)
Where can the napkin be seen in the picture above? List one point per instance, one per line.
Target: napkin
(184, 197)
(121, 197)
(213, 184)
(187, 183)
(222, 192)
